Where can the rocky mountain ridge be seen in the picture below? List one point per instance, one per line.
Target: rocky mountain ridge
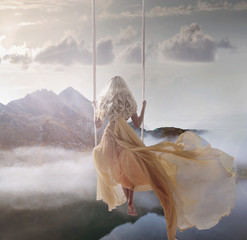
(43, 118)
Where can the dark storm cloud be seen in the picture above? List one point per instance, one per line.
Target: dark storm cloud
(193, 45)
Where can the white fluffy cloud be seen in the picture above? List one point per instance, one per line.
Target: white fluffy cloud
(193, 45)
(159, 11)
(199, 6)
(182, 9)
(16, 54)
(126, 35)
(69, 51)
(132, 53)
(66, 51)
(221, 5)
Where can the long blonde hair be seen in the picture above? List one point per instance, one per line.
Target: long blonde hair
(116, 100)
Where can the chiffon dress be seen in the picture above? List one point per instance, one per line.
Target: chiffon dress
(194, 182)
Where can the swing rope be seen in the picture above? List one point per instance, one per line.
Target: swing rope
(94, 63)
(143, 60)
(94, 67)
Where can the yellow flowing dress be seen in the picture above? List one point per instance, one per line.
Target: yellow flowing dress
(194, 182)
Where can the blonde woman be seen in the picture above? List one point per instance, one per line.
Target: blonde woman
(193, 181)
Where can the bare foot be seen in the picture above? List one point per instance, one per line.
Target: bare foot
(131, 210)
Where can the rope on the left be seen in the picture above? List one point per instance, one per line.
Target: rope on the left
(94, 67)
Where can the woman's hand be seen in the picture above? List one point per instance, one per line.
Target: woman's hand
(144, 103)
(98, 122)
(94, 103)
(138, 120)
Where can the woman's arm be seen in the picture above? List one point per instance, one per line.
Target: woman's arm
(138, 120)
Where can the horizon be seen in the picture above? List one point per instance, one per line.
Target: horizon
(151, 125)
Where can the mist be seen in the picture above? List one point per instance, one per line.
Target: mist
(59, 185)
(28, 173)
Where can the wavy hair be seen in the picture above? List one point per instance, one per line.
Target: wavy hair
(116, 100)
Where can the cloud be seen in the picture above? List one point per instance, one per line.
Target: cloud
(132, 53)
(182, 9)
(83, 18)
(225, 43)
(2, 49)
(66, 52)
(18, 55)
(29, 23)
(125, 14)
(2, 37)
(25, 4)
(17, 14)
(24, 60)
(126, 35)
(159, 11)
(199, 6)
(193, 45)
(221, 5)
(48, 171)
(69, 51)
(105, 54)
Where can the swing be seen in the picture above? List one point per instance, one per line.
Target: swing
(182, 174)
(94, 63)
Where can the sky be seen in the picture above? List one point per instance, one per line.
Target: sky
(196, 54)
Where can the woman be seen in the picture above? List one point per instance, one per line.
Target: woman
(194, 182)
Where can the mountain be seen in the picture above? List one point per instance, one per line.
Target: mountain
(44, 118)
(2, 108)
(77, 102)
(165, 132)
(39, 103)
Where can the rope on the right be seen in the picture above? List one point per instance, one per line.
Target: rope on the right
(143, 60)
